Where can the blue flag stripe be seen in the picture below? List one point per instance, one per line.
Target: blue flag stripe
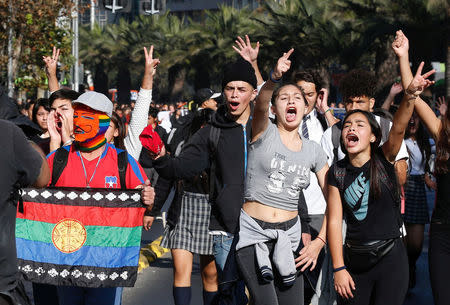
(106, 257)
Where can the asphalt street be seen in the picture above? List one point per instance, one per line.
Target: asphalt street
(154, 284)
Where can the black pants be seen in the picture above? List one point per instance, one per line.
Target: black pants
(261, 291)
(385, 283)
(439, 262)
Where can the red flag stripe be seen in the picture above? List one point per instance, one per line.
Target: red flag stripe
(87, 215)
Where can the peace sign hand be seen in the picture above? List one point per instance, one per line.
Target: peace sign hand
(283, 65)
(419, 82)
(150, 62)
(51, 63)
(245, 49)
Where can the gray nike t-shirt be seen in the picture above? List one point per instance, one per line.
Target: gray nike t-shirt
(275, 174)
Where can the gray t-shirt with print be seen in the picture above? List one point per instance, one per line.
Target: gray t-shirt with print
(276, 174)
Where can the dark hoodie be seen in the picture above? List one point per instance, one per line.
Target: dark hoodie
(10, 112)
(231, 161)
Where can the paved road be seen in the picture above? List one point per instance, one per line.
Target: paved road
(154, 284)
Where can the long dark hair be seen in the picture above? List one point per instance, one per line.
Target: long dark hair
(119, 140)
(443, 145)
(41, 102)
(375, 175)
(423, 142)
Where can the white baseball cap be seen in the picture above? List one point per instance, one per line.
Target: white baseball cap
(96, 101)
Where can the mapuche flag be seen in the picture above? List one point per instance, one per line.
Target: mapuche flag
(80, 237)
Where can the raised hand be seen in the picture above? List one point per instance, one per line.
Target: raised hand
(322, 101)
(51, 62)
(396, 88)
(150, 62)
(419, 82)
(442, 105)
(283, 65)
(244, 48)
(400, 44)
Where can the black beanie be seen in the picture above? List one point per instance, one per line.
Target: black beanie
(239, 70)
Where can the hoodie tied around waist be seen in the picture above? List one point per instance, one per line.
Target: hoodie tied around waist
(286, 242)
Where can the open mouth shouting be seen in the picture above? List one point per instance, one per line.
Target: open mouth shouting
(79, 130)
(291, 114)
(233, 105)
(352, 140)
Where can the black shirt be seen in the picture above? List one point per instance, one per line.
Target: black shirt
(441, 211)
(367, 218)
(20, 164)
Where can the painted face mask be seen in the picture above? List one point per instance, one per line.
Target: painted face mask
(89, 127)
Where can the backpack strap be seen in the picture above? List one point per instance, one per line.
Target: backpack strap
(122, 164)
(59, 163)
(336, 140)
(214, 135)
(339, 174)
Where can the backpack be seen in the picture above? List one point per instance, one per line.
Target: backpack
(62, 155)
(336, 130)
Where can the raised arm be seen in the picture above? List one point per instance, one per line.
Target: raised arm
(244, 48)
(261, 110)
(51, 64)
(426, 114)
(396, 88)
(404, 113)
(139, 116)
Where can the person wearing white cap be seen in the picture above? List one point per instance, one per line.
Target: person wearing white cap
(91, 162)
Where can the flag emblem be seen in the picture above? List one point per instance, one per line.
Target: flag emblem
(68, 235)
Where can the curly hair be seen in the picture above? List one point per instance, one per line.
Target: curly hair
(358, 83)
(308, 76)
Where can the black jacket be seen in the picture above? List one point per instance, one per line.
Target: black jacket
(230, 159)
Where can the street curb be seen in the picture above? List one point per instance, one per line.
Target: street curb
(150, 253)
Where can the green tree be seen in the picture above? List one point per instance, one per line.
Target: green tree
(36, 29)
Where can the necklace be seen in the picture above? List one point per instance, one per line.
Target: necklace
(84, 169)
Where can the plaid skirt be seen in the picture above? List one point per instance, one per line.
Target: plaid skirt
(416, 207)
(191, 233)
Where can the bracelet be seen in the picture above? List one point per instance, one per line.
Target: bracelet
(67, 143)
(321, 239)
(272, 79)
(329, 109)
(339, 269)
(407, 92)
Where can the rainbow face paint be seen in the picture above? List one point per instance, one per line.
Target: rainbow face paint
(89, 127)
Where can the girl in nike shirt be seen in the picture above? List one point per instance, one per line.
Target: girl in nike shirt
(373, 269)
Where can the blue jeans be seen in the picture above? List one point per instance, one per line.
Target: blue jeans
(71, 295)
(231, 287)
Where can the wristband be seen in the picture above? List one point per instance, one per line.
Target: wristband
(67, 143)
(272, 79)
(321, 239)
(339, 269)
(329, 109)
(407, 92)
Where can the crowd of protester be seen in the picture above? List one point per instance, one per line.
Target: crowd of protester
(240, 163)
